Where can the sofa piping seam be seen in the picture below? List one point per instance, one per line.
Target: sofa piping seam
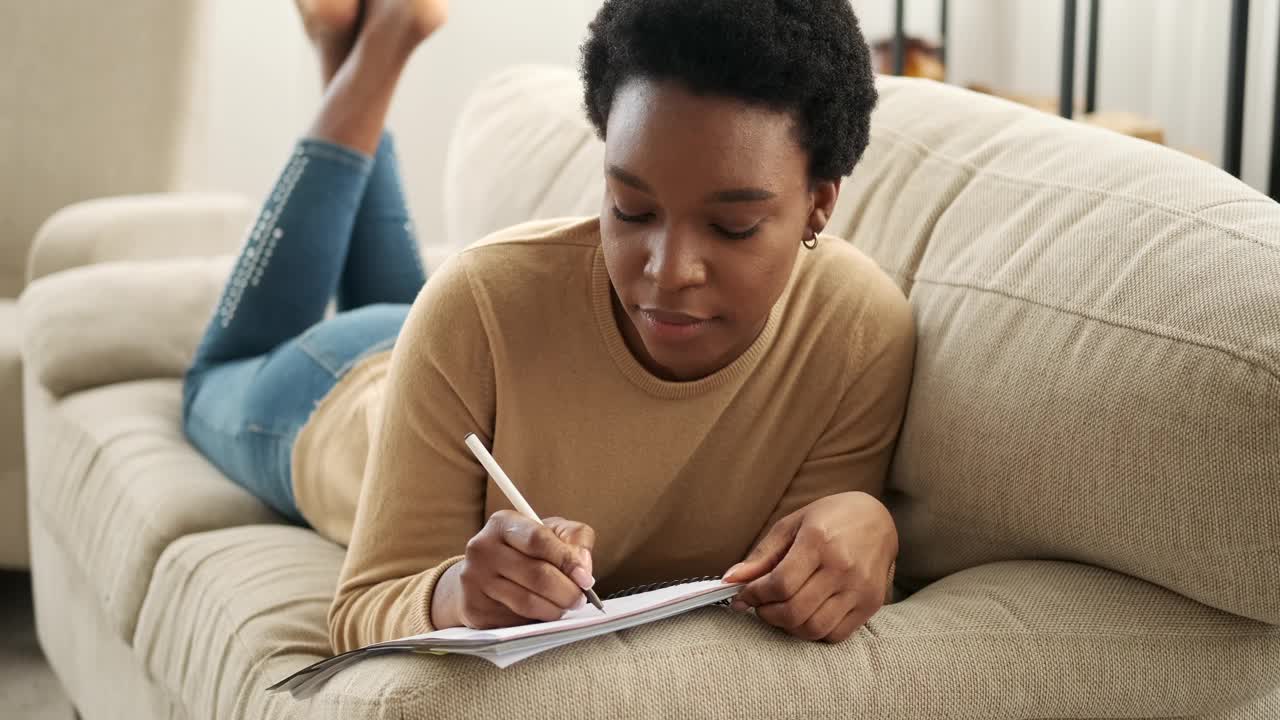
(1234, 354)
(1044, 184)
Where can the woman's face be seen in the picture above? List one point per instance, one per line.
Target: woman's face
(706, 202)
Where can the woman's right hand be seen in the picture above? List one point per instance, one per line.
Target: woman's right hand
(515, 572)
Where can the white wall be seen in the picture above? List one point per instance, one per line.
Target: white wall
(257, 85)
(1166, 60)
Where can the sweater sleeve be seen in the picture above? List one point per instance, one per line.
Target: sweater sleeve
(423, 494)
(854, 450)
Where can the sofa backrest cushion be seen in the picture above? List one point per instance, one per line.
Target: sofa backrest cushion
(522, 150)
(1098, 369)
(118, 321)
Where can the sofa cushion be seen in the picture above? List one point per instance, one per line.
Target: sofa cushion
(231, 611)
(119, 483)
(1097, 374)
(522, 149)
(13, 477)
(118, 321)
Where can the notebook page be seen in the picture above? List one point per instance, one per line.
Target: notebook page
(587, 616)
(512, 651)
(506, 646)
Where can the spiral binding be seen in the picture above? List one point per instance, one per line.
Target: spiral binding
(659, 585)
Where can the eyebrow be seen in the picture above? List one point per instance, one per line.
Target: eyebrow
(724, 196)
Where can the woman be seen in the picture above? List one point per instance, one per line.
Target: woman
(679, 375)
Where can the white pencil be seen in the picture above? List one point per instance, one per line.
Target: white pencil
(508, 488)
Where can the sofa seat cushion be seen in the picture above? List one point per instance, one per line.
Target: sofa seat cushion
(120, 483)
(231, 611)
(13, 480)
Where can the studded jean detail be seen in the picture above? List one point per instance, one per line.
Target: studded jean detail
(335, 226)
(262, 240)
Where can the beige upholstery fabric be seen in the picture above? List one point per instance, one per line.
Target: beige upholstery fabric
(1098, 370)
(522, 150)
(13, 480)
(151, 227)
(1264, 708)
(119, 482)
(142, 227)
(228, 610)
(95, 666)
(118, 321)
(231, 611)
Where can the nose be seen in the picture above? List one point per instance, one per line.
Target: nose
(675, 260)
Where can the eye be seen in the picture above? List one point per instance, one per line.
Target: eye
(743, 235)
(631, 218)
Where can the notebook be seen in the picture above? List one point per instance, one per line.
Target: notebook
(506, 646)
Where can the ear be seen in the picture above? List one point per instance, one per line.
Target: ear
(823, 198)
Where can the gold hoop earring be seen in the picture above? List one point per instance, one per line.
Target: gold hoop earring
(810, 242)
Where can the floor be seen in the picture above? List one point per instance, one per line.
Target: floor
(28, 688)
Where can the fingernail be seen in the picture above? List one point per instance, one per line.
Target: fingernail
(738, 605)
(583, 578)
(731, 571)
(586, 559)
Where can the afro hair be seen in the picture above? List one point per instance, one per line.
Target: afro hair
(803, 57)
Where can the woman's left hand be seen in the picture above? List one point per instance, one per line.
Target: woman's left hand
(821, 572)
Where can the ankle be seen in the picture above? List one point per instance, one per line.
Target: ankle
(331, 60)
(389, 47)
(383, 55)
(399, 24)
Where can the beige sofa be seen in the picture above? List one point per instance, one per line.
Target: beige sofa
(1085, 486)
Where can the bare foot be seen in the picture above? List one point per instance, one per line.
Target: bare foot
(332, 26)
(353, 111)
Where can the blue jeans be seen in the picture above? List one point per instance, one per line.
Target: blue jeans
(334, 226)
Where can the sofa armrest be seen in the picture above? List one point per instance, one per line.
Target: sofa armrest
(139, 227)
(100, 324)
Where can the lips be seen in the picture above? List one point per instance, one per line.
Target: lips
(670, 326)
(672, 317)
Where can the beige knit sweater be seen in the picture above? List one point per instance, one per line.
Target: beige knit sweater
(515, 339)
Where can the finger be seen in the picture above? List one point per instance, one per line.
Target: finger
(766, 553)
(539, 541)
(572, 532)
(538, 577)
(479, 611)
(849, 625)
(575, 533)
(827, 617)
(521, 601)
(791, 573)
(793, 613)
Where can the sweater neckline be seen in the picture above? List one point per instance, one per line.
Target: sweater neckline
(639, 375)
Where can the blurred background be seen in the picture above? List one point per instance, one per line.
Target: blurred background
(152, 95)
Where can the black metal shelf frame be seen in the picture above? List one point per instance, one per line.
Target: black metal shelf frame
(1236, 64)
